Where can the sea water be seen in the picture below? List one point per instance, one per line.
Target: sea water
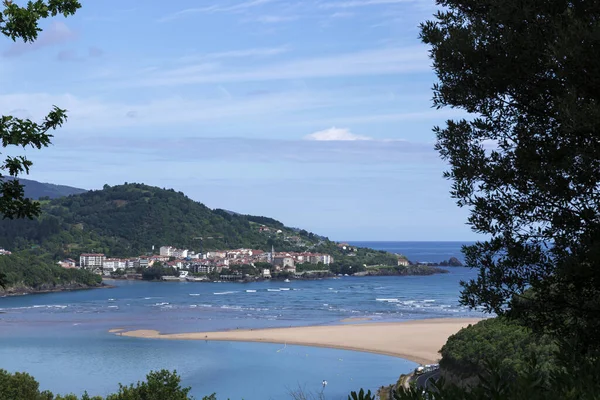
(62, 338)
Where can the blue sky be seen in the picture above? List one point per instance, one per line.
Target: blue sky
(314, 112)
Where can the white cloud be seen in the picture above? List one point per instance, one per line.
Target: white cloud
(335, 134)
(385, 61)
(57, 33)
(362, 3)
(275, 19)
(89, 113)
(215, 9)
(256, 52)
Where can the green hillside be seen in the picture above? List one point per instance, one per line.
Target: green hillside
(37, 190)
(127, 220)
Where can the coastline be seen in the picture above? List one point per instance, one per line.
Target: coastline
(29, 291)
(416, 340)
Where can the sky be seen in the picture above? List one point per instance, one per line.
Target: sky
(314, 112)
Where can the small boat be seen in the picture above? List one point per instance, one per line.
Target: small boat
(287, 281)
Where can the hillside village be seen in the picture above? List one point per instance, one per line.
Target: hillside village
(219, 261)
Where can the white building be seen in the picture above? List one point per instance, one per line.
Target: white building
(114, 264)
(91, 261)
(325, 259)
(266, 273)
(167, 251)
(179, 253)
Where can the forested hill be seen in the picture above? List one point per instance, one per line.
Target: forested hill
(127, 220)
(37, 190)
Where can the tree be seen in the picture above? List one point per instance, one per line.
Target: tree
(527, 164)
(22, 23)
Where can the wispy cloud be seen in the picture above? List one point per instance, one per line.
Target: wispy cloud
(386, 61)
(232, 149)
(73, 56)
(361, 3)
(275, 19)
(335, 134)
(257, 52)
(57, 33)
(215, 9)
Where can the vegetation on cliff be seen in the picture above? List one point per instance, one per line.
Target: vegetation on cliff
(26, 272)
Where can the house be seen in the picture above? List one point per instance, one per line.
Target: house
(141, 262)
(91, 261)
(402, 261)
(266, 273)
(283, 261)
(5, 252)
(68, 263)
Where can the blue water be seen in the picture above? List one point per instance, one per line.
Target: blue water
(419, 251)
(62, 338)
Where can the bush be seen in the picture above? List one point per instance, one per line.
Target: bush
(510, 345)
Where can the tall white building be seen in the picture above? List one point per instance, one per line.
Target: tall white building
(91, 261)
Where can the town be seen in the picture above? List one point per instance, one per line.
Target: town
(227, 264)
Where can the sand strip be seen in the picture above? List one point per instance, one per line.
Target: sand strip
(417, 341)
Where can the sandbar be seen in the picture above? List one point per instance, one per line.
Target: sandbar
(418, 340)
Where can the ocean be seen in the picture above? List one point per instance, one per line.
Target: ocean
(62, 338)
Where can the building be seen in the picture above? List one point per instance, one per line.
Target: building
(284, 261)
(166, 251)
(114, 264)
(266, 273)
(142, 262)
(68, 263)
(179, 253)
(324, 259)
(91, 261)
(403, 262)
(5, 252)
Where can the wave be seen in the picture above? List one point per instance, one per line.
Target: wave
(194, 294)
(284, 288)
(221, 293)
(250, 291)
(161, 304)
(273, 290)
(428, 301)
(388, 300)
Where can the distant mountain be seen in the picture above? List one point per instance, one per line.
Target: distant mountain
(127, 220)
(36, 190)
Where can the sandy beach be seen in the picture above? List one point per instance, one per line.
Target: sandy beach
(417, 341)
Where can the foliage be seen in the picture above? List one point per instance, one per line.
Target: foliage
(573, 377)
(156, 272)
(509, 344)
(311, 267)
(127, 220)
(528, 164)
(159, 385)
(22, 23)
(361, 395)
(27, 270)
